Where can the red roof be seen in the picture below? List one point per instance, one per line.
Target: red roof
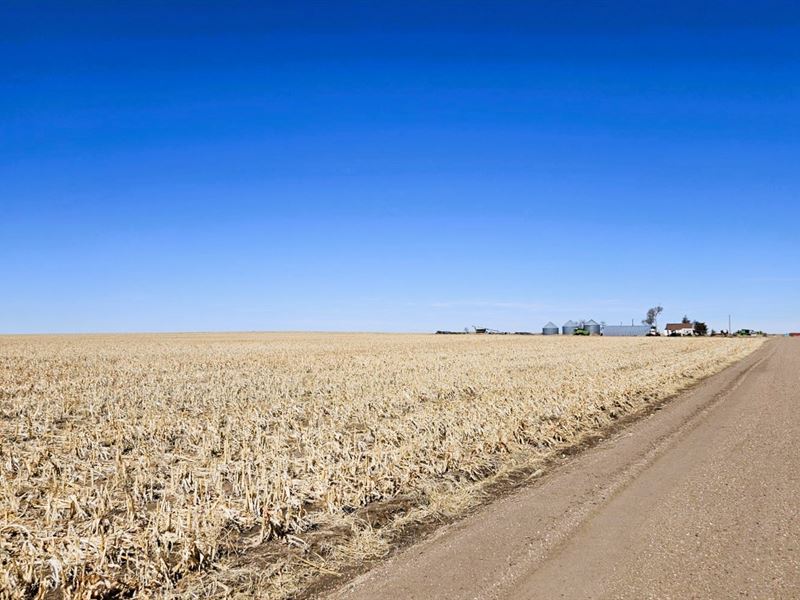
(679, 326)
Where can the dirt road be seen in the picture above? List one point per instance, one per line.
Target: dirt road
(699, 500)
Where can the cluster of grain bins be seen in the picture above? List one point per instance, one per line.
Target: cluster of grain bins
(591, 327)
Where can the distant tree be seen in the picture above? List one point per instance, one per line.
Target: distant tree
(652, 316)
(713, 332)
(701, 328)
(686, 320)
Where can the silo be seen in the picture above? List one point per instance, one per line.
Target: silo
(550, 329)
(569, 327)
(593, 327)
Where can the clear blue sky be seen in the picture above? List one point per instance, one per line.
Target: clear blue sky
(398, 166)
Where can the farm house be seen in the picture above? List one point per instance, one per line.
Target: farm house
(679, 329)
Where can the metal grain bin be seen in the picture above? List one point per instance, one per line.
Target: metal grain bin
(550, 329)
(592, 327)
(569, 327)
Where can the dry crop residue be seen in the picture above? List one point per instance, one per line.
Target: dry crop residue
(154, 464)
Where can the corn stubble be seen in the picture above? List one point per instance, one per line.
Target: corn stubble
(167, 465)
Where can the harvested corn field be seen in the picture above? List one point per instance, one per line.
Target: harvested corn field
(213, 464)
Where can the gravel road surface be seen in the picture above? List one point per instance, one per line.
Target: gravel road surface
(701, 499)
